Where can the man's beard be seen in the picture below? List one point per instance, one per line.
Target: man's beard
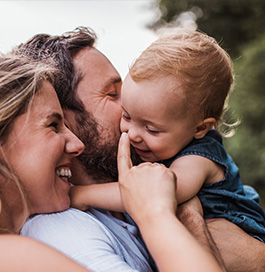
(99, 158)
(100, 155)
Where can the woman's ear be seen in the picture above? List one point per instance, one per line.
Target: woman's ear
(203, 127)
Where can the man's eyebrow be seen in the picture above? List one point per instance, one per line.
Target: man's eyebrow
(111, 81)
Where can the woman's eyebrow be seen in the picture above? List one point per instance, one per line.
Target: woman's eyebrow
(56, 115)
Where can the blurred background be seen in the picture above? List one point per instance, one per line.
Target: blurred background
(125, 28)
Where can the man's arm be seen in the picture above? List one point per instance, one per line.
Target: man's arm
(191, 215)
(240, 251)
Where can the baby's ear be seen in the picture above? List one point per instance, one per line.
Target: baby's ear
(203, 127)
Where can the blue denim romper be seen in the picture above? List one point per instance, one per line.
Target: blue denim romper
(227, 198)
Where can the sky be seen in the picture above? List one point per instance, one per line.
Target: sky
(119, 24)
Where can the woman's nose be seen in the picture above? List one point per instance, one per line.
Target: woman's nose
(73, 145)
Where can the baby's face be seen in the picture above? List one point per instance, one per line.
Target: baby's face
(154, 117)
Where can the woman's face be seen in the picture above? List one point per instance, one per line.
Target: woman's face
(39, 148)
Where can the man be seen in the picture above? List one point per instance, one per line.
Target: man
(89, 92)
(94, 238)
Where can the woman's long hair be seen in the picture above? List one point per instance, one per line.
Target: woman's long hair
(20, 80)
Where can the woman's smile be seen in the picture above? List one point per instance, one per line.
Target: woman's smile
(64, 173)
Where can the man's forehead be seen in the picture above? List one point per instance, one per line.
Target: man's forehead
(91, 65)
(88, 55)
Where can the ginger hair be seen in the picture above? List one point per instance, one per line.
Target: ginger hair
(202, 66)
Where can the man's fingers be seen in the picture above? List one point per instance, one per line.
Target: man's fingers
(124, 155)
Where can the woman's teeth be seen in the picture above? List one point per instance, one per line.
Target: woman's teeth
(64, 173)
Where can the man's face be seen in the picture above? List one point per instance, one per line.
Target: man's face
(98, 127)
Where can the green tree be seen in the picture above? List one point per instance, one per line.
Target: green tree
(234, 22)
(247, 146)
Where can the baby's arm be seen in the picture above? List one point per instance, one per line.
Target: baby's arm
(105, 196)
(192, 172)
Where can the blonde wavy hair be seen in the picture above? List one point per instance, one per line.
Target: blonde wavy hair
(20, 80)
(198, 61)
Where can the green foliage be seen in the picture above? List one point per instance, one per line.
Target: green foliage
(247, 146)
(234, 22)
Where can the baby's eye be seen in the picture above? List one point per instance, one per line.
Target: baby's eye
(126, 117)
(152, 131)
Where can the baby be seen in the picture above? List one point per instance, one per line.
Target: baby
(173, 100)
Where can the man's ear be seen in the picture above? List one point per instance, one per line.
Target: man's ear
(203, 127)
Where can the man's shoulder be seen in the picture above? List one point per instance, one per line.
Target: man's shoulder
(59, 217)
(94, 238)
(69, 222)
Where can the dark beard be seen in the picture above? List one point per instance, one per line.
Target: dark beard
(100, 155)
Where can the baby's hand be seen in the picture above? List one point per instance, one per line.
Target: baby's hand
(78, 201)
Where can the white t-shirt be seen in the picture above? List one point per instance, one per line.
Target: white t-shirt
(93, 238)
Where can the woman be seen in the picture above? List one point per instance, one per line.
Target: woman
(36, 146)
(36, 152)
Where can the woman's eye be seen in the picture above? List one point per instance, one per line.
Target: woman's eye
(54, 125)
